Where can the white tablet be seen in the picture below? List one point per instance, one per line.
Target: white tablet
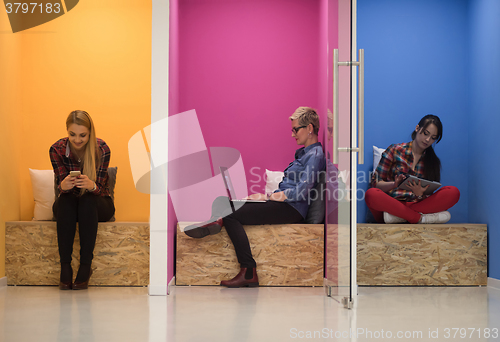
(433, 186)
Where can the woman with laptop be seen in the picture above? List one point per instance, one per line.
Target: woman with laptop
(389, 202)
(288, 204)
(80, 163)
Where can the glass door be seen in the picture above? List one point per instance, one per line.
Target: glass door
(340, 226)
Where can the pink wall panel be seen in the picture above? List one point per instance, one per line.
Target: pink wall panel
(245, 66)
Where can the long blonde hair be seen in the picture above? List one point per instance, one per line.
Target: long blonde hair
(92, 154)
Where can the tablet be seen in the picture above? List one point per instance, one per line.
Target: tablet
(433, 186)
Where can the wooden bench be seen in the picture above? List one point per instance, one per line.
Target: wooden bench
(121, 255)
(422, 254)
(286, 255)
(387, 255)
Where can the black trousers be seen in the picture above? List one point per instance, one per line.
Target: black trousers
(87, 210)
(270, 212)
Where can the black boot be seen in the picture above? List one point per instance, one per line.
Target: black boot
(246, 278)
(82, 277)
(66, 277)
(210, 227)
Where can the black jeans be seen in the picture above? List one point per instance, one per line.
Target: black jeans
(87, 210)
(270, 212)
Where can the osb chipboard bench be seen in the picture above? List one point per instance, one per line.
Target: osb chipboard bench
(286, 255)
(422, 254)
(121, 254)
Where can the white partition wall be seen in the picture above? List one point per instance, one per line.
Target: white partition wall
(159, 151)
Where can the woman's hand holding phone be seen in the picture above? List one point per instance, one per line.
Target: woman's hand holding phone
(68, 183)
(75, 178)
(84, 182)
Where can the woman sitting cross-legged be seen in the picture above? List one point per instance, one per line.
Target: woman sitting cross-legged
(288, 204)
(390, 204)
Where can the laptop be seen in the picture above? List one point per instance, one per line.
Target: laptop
(230, 190)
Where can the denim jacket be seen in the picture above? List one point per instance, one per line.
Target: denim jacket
(301, 176)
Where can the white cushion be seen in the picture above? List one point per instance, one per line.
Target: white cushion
(273, 179)
(377, 154)
(42, 183)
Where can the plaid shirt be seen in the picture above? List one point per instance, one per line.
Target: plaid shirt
(395, 160)
(63, 161)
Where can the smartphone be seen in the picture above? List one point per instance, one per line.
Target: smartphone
(75, 173)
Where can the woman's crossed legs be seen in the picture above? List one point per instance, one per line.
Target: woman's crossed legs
(379, 202)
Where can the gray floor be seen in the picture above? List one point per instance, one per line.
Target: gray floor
(36, 313)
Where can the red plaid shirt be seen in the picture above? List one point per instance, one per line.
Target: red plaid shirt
(395, 160)
(63, 161)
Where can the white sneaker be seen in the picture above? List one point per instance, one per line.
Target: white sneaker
(388, 218)
(441, 217)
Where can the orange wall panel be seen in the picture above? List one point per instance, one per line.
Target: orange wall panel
(97, 58)
(10, 126)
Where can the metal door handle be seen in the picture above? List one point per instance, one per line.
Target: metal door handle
(361, 106)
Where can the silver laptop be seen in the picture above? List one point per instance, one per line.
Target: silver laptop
(230, 190)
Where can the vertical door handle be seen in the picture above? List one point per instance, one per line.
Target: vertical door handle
(335, 106)
(361, 106)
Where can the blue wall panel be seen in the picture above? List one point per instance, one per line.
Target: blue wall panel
(484, 123)
(416, 63)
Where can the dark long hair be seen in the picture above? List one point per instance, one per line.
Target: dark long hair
(432, 164)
